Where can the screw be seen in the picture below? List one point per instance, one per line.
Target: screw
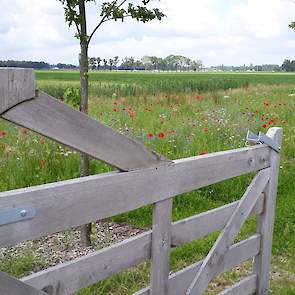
(250, 161)
(23, 213)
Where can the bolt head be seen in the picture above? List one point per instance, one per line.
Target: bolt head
(23, 213)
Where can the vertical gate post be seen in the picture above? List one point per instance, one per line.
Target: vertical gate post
(161, 241)
(16, 86)
(265, 221)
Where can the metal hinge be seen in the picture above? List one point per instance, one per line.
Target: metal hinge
(16, 214)
(261, 138)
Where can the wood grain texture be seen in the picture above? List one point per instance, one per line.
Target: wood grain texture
(161, 241)
(71, 276)
(215, 259)
(70, 203)
(237, 254)
(247, 286)
(16, 85)
(198, 226)
(108, 261)
(56, 120)
(265, 221)
(12, 286)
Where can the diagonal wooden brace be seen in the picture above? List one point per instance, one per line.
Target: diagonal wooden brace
(58, 121)
(13, 286)
(213, 263)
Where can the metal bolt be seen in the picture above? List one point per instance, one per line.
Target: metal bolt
(251, 161)
(23, 213)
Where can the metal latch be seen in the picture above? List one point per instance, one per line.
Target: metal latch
(263, 139)
(16, 214)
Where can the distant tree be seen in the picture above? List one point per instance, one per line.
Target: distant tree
(111, 63)
(146, 61)
(128, 63)
(288, 65)
(105, 63)
(75, 14)
(116, 61)
(92, 63)
(196, 65)
(98, 61)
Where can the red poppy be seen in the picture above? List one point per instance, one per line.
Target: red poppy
(161, 135)
(271, 121)
(115, 103)
(132, 113)
(42, 141)
(3, 134)
(150, 135)
(115, 109)
(264, 126)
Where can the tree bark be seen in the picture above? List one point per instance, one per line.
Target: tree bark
(83, 63)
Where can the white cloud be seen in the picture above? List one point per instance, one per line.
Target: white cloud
(228, 32)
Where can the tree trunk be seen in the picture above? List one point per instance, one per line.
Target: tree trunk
(83, 63)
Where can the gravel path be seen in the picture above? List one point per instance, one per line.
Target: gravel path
(64, 246)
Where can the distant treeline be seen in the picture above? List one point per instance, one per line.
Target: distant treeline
(288, 65)
(153, 63)
(24, 64)
(169, 63)
(38, 65)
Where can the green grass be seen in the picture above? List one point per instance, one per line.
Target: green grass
(193, 123)
(142, 83)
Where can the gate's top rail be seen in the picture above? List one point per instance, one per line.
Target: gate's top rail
(70, 203)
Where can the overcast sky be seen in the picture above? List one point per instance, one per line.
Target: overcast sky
(229, 32)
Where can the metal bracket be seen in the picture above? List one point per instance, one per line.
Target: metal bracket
(261, 138)
(16, 214)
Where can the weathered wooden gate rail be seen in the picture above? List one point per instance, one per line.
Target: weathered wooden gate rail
(153, 180)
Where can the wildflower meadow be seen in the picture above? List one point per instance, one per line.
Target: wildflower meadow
(177, 115)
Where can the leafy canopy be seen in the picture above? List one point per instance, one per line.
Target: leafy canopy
(111, 10)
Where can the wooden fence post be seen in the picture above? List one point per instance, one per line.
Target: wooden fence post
(161, 241)
(265, 221)
(16, 86)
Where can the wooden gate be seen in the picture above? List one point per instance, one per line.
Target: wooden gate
(144, 178)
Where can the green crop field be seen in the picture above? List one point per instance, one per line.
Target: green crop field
(141, 83)
(178, 115)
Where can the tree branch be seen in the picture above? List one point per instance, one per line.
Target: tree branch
(103, 20)
(78, 30)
